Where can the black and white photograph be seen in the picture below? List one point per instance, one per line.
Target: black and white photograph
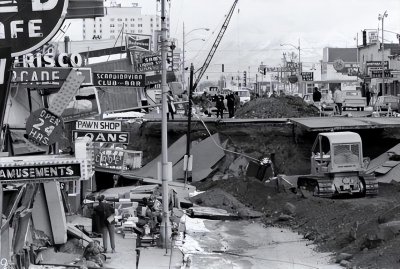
(199, 134)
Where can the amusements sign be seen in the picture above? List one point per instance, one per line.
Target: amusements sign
(29, 24)
(119, 79)
(44, 127)
(51, 171)
(307, 76)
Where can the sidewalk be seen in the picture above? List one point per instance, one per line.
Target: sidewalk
(150, 257)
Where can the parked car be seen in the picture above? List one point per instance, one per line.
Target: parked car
(384, 101)
(353, 99)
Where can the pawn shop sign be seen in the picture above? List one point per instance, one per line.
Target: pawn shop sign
(29, 24)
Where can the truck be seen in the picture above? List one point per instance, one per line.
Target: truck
(338, 167)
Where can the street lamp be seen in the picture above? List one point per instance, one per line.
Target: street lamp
(382, 17)
(299, 49)
(183, 50)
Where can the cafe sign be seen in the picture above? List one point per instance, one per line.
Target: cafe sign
(29, 24)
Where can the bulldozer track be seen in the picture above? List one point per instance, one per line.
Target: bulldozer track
(371, 185)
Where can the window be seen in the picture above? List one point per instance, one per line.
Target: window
(132, 31)
(132, 25)
(132, 19)
(112, 25)
(140, 31)
(151, 25)
(126, 19)
(112, 19)
(140, 25)
(140, 19)
(112, 31)
(119, 19)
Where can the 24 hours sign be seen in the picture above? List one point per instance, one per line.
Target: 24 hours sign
(29, 24)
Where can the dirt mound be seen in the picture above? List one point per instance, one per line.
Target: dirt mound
(365, 227)
(277, 107)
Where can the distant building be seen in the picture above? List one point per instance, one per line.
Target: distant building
(118, 19)
(371, 67)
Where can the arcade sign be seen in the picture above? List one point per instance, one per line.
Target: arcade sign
(29, 24)
(50, 77)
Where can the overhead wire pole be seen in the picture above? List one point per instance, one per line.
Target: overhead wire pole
(166, 167)
(382, 17)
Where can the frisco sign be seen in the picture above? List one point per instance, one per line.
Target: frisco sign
(118, 79)
(29, 24)
(104, 137)
(51, 171)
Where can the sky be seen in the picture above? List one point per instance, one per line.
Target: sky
(258, 27)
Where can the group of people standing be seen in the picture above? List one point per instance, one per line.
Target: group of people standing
(232, 102)
(337, 98)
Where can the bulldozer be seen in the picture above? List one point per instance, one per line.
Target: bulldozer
(338, 167)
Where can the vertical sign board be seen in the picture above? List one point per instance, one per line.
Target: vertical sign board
(29, 24)
(5, 64)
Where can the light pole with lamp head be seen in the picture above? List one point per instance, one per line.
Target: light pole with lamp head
(183, 50)
(382, 17)
(299, 49)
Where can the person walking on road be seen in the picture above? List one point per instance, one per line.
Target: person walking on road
(171, 106)
(105, 214)
(230, 102)
(316, 95)
(237, 101)
(338, 99)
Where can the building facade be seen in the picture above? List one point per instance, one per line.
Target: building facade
(371, 57)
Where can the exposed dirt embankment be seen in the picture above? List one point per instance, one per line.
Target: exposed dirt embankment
(356, 226)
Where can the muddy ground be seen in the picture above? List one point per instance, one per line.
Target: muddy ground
(340, 225)
(355, 226)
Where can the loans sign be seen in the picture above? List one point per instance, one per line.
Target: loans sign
(103, 137)
(51, 171)
(29, 24)
(119, 79)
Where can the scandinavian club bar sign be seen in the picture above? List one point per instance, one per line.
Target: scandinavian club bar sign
(70, 171)
(26, 25)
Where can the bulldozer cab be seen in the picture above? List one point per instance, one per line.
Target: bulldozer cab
(336, 152)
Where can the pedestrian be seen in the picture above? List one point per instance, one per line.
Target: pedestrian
(368, 93)
(338, 99)
(171, 106)
(219, 103)
(230, 102)
(185, 98)
(237, 101)
(316, 95)
(105, 213)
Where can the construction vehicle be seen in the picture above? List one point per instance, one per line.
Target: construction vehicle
(338, 167)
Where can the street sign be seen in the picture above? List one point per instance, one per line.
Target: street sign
(44, 127)
(119, 79)
(150, 63)
(99, 125)
(307, 76)
(28, 24)
(104, 137)
(67, 91)
(49, 77)
(376, 65)
(378, 74)
(292, 79)
(138, 42)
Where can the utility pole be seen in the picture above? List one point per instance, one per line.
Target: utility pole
(188, 158)
(183, 59)
(166, 167)
(382, 17)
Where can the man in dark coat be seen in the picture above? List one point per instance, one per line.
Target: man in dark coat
(220, 105)
(103, 212)
(230, 101)
(316, 95)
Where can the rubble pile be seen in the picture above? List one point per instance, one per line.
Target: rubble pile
(277, 107)
(366, 229)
